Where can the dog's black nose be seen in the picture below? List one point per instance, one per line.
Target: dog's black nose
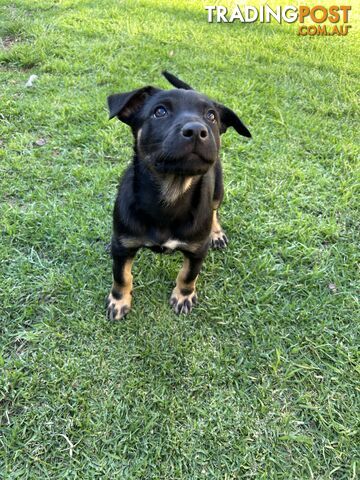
(194, 130)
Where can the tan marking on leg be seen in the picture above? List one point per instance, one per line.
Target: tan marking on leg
(183, 296)
(181, 278)
(119, 299)
(216, 204)
(215, 227)
(217, 235)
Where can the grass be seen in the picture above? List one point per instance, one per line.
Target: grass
(262, 379)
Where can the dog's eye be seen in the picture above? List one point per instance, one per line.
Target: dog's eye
(211, 116)
(160, 112)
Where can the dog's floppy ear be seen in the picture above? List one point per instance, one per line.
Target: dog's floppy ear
(228, 118)
(126, 105)
(176, 81)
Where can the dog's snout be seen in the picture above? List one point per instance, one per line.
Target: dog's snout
(194, 130)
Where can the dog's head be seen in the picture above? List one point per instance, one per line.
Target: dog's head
(176, 131)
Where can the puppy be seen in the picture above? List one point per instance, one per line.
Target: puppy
(169, 196)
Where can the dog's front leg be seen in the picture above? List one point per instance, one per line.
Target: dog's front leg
(217, 235)
(118, 302)
(184, 296)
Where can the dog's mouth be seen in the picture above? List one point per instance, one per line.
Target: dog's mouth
(179, 155)
(188, 165)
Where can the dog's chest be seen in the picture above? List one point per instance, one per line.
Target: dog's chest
(156, 241)
(168, 246)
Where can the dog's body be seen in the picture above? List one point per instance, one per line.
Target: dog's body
(169, 196)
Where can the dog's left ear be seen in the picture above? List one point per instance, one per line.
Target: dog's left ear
(228, 118)
(126, 105)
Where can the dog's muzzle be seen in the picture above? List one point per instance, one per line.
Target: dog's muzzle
(195, 131)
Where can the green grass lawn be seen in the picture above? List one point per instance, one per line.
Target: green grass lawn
(262, 379)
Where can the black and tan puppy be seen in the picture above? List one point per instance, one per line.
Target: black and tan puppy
(169, 196)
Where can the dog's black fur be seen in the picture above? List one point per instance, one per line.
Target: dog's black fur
(168, 197)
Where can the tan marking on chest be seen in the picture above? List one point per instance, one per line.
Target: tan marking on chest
(172, 187)
(172, 243)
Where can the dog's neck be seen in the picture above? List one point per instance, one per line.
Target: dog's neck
(172, 187)
(166, 191)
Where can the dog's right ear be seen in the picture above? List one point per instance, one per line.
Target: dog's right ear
(176, 81)
(126, 105)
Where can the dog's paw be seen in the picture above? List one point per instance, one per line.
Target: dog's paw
(182, 303)
(218, 239)
(117, 308)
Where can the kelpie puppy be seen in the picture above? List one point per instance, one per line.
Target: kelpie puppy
(169, 196)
